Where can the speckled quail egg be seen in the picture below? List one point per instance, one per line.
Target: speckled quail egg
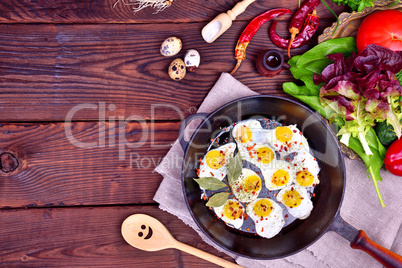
(267, 216)
(192, 60)
(296, 200)
(177, 69)
(171, 46)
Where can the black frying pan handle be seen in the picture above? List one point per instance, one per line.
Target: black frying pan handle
(359, 240)
(184, 143)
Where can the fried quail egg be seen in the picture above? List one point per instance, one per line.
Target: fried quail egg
(247, 186)
(267, 216)
(232, 213)
(261, 155)
(287, 139)
(296, 200)
(279, 175)
(214, 163)
(247, 132)
(307, 169)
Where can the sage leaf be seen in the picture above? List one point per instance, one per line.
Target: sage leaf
(218, 199)
(210, 183)
(234, 168)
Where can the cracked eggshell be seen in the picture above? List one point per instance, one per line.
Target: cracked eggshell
(192, 60)
(171, 46)
(177, 69)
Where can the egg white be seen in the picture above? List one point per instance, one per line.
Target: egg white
(235, 223)
(303, 210)
(220, 173)
(270, 225)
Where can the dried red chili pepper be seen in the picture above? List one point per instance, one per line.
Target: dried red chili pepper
(251, 29)
(308, 30)
(299, 17)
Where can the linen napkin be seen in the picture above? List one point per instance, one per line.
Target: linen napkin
(360, 207)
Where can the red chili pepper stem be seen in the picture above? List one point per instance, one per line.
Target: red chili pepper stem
(240, 55)
(294, 31)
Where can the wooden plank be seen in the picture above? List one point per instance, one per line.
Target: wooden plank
(48, 70)
(77, 237)
(114, 11)
(55, 170)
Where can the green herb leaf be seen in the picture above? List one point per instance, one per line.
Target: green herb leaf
(234, 168)
(218, 199)
(210, 183)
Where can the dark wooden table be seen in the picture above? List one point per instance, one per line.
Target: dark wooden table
(73, 74)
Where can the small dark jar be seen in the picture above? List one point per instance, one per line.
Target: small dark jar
(270, 63)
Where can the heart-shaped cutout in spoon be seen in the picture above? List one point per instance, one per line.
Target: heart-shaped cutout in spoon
(147, 233)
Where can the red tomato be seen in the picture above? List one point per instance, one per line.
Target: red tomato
(383, 28)
(393, 158)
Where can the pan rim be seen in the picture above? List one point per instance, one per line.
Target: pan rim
(342, 163)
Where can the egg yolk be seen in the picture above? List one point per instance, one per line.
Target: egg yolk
(283, 134)
(215, 159)
(233, 210)
(291, 198)
(280, 177)
(252, 183)
(262, 208)
(243, 134)
(304, 178)
(265, 155)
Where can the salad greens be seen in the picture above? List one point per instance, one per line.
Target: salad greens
(363, 89)
(314, 61)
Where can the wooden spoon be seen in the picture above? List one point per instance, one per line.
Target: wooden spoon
(147, 233)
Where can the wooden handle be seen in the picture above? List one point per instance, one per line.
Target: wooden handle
(239, 8)
(206, 256)
(381, 254)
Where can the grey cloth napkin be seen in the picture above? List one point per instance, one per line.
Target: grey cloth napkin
(360, 207)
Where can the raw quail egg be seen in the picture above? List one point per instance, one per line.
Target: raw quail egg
(267, 216)
(287, 139)
(171, 46)
(192, 60)
(296, 200)
(214, 163)
(279, 175)
(177, 69)
(247, 186)
(232, 213)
